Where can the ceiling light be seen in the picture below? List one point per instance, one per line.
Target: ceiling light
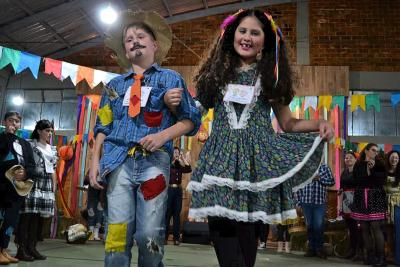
(17, 100)
(108, 15)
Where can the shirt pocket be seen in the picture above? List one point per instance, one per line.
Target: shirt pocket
(153, 112)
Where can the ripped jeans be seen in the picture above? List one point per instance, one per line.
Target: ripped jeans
(136, 205)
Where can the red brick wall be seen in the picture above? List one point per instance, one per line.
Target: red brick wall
(362, 34)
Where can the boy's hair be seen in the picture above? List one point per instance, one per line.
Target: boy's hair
(218, 69)
(12, 113)
(139, 25)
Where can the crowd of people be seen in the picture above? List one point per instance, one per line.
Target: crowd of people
(245, 175)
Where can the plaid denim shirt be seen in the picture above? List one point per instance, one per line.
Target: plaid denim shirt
(315, 192)
(125, 132)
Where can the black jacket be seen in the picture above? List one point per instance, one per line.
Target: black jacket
(6, 147)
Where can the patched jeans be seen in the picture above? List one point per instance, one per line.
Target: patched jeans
(137, 200)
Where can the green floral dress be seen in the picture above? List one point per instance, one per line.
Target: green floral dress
(246, 171)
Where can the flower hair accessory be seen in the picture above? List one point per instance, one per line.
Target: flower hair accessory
(228, 21)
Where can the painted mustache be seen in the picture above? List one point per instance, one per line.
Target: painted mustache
(137, 46)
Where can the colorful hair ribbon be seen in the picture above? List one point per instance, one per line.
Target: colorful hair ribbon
(278, 37)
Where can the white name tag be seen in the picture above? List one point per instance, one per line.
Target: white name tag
(145, 93)
(242, 94)
(49, 166)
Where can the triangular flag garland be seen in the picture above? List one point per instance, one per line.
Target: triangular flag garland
(21, 60)
(362, 101)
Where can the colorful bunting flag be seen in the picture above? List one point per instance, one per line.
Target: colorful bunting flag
(52, 66)
(85, 73)
(10, 56)
(69, 70)
(29, 61)
(395, 99)
(357, 100)
(325, 101)
(310, 101)
(102, 77)
(338, 100)
(372, 100)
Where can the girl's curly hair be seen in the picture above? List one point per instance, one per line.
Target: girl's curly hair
(218, 68)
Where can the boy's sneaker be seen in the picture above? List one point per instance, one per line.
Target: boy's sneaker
(262, 245)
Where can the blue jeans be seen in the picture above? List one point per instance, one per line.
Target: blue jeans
(314, 215)
(174, 210)
(136, 206)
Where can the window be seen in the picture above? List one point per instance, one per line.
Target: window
(54, 105)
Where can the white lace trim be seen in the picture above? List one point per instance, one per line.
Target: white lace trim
(210, 180)
(203, 213)
(244, 117)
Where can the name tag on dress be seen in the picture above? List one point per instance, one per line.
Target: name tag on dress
(242, 94)
(145, 93)
(49, 166)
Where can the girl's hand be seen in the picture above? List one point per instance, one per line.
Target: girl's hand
(325, 130)
(371, 164)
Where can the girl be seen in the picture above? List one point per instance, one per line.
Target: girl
(40, 201)
(347, 195)
(246, 172)
(369, 205)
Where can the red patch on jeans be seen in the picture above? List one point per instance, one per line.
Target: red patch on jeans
(153, 187)
(153, 119)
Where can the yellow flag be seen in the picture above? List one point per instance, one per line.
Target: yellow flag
(357, 100)
(325, 101)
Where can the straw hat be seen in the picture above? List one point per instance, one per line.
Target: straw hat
(22, 187)
(156, 23)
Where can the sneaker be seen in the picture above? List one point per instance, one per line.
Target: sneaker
(176, 243)
(262, 245)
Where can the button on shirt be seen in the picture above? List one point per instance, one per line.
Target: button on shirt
(124, 132)
(315, 192)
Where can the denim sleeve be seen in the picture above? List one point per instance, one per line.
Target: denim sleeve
(104, 116)
(187, 108)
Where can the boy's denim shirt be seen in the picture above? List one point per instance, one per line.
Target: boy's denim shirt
(123, 132)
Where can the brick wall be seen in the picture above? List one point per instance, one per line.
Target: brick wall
(362, 34)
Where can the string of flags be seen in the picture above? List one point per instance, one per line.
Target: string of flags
(356, 101)
(21, 61)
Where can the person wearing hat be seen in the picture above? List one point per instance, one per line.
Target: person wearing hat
(134, 130)
(16, 161)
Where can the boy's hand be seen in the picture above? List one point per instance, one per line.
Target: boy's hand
(173, 97)
(152, 142)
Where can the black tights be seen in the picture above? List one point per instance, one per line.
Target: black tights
(28, 228)
(235, 243)
(372, 232)
(354, 234)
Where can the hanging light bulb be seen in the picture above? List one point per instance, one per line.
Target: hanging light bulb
(18, 100)
(108, 15)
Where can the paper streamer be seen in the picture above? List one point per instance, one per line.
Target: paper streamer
(84, 149)
(182, 143)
